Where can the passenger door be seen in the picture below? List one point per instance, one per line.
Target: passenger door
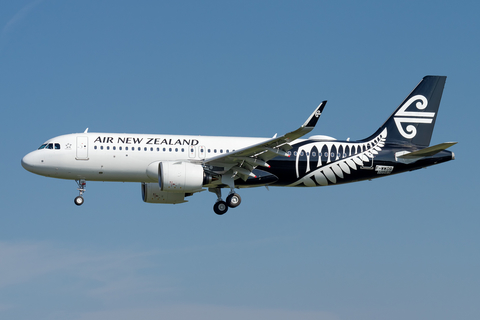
(82, 148)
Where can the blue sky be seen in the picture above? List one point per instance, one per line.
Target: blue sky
(402, 247)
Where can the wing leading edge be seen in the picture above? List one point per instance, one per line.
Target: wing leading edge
(241, 163)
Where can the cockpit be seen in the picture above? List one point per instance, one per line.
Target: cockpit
(52, 146)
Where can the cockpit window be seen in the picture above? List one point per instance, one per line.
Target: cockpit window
(51, 146)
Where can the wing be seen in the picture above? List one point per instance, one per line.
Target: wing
(241, 163)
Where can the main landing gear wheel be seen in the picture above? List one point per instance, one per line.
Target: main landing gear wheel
(220, 207)
(78, 200)
(233, 200)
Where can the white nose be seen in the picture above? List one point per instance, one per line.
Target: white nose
(29, 162)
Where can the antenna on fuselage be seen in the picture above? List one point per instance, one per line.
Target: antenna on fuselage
(86, 131)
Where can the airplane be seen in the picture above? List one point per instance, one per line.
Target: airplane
(172, 168)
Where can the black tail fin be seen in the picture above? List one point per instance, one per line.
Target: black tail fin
(413, 121)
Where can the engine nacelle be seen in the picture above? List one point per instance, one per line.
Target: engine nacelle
(181, 177)
(151, 193)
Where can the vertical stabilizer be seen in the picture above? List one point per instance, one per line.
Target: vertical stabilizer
(413, 121)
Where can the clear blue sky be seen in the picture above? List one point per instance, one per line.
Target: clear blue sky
(402, 247)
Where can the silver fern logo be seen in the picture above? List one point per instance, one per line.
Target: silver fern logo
(335, 159)
(403, 116)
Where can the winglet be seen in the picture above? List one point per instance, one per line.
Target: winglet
(312, 120)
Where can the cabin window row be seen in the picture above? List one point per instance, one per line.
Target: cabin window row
(138, 149)
(314, 154)
(158, 149)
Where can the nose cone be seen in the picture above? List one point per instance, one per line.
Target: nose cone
(29, 162)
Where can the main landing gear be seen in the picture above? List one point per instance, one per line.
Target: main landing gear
(221, 207)
(82, 185)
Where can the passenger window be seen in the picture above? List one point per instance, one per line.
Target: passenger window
(176, 149)
(95, 147)
(120, 148)
(108, 147)
(139, 149)
(114, 148)
(126, 148)
(101, 147)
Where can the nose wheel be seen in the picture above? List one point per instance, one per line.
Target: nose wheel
(78, 200)
(82, 185)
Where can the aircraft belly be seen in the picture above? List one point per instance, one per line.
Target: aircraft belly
(101, 169)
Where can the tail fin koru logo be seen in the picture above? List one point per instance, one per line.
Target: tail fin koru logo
(403, 116)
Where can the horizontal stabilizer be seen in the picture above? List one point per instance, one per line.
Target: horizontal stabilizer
(427, 152)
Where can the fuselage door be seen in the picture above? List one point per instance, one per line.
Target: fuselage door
(82, 148)
(368, 165)
(201, 152)
(191, 152)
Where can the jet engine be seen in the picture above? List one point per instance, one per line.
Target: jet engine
(176, 180)
(151, 193)
(182, 177)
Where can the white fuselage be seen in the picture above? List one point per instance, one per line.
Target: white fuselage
(124, 157)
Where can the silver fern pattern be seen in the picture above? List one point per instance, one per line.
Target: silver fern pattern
(339, 158)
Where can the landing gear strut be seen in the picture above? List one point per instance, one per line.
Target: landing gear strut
(82, 185)
(221, 207)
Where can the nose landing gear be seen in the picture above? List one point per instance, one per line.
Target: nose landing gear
(82, 185)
